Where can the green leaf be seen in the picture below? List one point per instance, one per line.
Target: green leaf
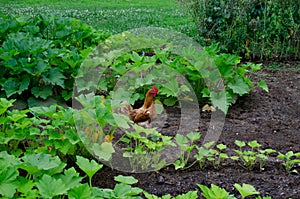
(219, 100)
(71, 178)
(255, 67)
(36, 163)
(209, 144)
(5, 104)
(126, 179)
(221, 146)
(103, 151)
(194, 136)
(246, 190)
(16, 115)
(26, 188)
(80, 192)
(179, 164)
(235, 158)
(121, 120)
(10, 87)
(135, 57)
(152, 196)
(182, 141)
(263, 85)
(89, 167)
(239, 86)
(55, 77)
(239, 143)
(42, 91)
(171, 101)
(8, 182)
(40, 67)
(7, 160)
(254, 144)
(215, 192)
(50, 187)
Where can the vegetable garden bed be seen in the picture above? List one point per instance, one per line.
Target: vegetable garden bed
(273, 119)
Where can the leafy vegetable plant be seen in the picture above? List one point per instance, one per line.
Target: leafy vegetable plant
(218, 155)
(89, 167)
(215, 192)
(204, 153)
(186, 144)
(144, 147)
(249, 158)
(290, 159)
(40, 56)
(122, 190)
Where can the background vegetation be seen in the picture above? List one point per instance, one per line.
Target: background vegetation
(255, 29)
(109, 15)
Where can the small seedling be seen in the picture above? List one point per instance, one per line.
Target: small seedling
(218, 155)
(186, 145)
(262, 156)
(144, 146)
(204, 153)
(249, 158)
(290, 159)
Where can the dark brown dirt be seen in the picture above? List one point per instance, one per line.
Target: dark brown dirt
(273, 119)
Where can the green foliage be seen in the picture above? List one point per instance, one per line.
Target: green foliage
(127, 71)
(123, 189)
(186, 144)
(144, 147)
(61, 183)
(290, 159)
(39, 169)
(254, 29)
(215, 192)
(246, 190)
(249, 158)
(49, 186)
(204, 153)
(218, 155)
(40, 56)
(89, 167)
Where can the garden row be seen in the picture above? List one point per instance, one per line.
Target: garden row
(42, 56)
(38, 156)
(47, 177)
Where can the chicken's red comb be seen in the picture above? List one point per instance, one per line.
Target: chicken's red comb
(154, 89)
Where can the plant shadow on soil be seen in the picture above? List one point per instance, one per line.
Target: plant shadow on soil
(273, 119)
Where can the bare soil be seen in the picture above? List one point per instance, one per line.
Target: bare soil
(273, 119)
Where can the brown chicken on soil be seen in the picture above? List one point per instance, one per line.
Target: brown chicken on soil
(147, 112)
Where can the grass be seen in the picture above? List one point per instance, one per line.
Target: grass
(109, 15)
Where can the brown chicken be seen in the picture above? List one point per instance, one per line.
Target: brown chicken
(147, 112)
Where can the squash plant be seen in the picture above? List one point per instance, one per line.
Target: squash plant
(40, 56)
(136, 61)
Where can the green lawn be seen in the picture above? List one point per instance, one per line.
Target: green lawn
(109, 15)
